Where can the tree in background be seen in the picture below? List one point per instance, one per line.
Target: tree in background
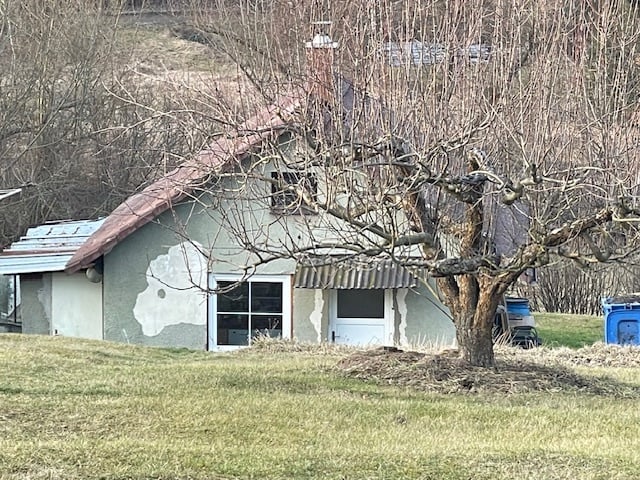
(475, 139)
(88, 109)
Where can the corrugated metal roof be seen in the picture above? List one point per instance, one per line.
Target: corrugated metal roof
(351, 274)
(46, 248)
(417, 53)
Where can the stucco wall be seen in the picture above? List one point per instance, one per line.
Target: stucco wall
(154, 290)
(419, 319)
(310, 315)
(76, 306)
(36, 304)
(151, 293)
(422, 319)
(60, 304)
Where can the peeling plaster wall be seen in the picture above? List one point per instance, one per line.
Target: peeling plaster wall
(176, 290)
(400, 313)
(418, 318)
(310, 315)
(150, 278)
(35, 304)
(149, 298)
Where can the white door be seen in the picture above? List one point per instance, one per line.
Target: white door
(361, 317)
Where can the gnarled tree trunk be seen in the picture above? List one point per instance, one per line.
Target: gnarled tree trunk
(475, 342)
(473, 302)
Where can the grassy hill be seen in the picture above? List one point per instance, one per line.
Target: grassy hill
(73, 409)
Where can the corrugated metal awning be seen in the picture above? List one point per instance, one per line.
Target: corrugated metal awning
(349, 274)
(21, 264)
(46, 248)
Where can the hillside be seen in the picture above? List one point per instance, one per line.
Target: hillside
(96, 106)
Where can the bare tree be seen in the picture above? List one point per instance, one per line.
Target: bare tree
(507, 141)
(85, 116)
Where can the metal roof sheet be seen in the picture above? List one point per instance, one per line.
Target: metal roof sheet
(353, 274)
(417, 53)
(47, 247)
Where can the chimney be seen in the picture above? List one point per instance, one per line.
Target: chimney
(320, 63)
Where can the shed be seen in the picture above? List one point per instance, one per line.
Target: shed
(52, 301)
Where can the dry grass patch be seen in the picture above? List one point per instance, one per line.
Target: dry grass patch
(264, 344)
(596, 355)
(517, 371)
(199, 77)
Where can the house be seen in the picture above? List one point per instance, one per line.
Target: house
(416, 53)
(49, 301)
(171, 275)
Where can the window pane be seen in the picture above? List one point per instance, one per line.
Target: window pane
(285, 195)
(281, 196)
(361, 303)
(268, 325)
(233, 329)
(266, 297)
(235, 300)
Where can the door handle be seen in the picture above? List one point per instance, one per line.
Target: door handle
(333, 336)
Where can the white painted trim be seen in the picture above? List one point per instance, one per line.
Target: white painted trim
(213, 305)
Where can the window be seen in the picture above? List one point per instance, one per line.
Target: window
(10, 297)
(287, 189)
(242, 311)
(360, 304)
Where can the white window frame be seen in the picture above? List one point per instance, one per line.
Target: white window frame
(214, 278)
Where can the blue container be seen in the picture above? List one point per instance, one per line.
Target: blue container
(519, 312)
(518, 305)
(622, 320)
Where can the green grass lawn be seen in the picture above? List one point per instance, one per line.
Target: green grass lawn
(575, 331)
(73, 409)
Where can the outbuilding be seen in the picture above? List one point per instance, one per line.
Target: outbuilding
(52, 302)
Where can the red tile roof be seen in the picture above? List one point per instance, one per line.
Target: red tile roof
(144, 206)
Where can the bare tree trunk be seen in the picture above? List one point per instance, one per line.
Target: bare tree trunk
(473, 303)
(475, 343)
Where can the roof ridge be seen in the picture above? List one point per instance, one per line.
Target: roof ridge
(145, 205)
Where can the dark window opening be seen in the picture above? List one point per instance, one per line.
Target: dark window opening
(247, 310)
(289, 189)
(361, 303)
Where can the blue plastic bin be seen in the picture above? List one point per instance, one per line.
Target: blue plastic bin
(622, 320)
(519, 312)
